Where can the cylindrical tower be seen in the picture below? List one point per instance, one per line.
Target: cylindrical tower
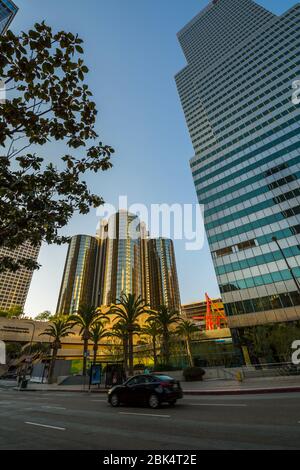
(164, 287)
(78, 277)
(122, 239)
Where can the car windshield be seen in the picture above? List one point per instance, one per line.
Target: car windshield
(163, 377)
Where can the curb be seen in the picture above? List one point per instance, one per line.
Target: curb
(49, 390)
(248, 391)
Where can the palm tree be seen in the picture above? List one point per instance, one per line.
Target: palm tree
(165, 319)
(128, 309)
(119, 330)
(86, 316)
(97, 332)
(37, 349)
(186, 329)
(59, 328)
(153, 330)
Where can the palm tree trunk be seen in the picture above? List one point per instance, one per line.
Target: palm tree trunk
(166, 347)
(52, 365)
(95, 354)
(154, 351)
(130, 352)
(189, 352)
(85, 350)
(125, 354)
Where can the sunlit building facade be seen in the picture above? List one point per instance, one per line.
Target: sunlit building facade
(14, 286)
(122, 266)
(120, 259)
(77, 287)
(164, 287)
(236, 93)
(8, 11)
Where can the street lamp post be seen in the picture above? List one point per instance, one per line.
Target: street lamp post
(287, 263)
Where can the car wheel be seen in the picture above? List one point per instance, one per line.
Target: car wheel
(153, 401)
(114, 400)
(172, 402)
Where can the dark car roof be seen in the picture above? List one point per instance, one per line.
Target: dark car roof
(156, 376)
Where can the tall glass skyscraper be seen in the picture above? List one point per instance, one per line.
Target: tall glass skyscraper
(164, 288)
(123, 271)
(8, 11)
(236, 93)
(120, 259)
(78, 277)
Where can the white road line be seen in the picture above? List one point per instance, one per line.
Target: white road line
(144, 414)
(45, 426)
(217, 404)
(49, 407)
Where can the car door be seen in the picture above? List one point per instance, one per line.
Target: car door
(136, 389)
(130, 390)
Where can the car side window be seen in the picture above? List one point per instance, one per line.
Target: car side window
(136, 381)
(141, 379)
(149, 380)
(133, 381)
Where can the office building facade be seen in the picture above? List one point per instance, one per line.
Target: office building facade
(14, 286)
(164, 287)
(8, 11)
(77, 286)
(197, 311)
(236, 93)
(120, 259)
(121, 237)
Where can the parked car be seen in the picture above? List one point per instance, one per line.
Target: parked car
(150, 389)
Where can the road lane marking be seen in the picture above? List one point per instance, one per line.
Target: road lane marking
(49, 407)
(45, 426)
(144, 414)
(217, 404)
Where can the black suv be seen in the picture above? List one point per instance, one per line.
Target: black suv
(151, 389)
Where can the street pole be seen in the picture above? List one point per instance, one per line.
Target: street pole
(287, 263)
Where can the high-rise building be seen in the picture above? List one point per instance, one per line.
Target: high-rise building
(79, 274)
(8, 11)
(14, 286)
(120, 259)
(236, 93)
(121, 236)
(164, 288)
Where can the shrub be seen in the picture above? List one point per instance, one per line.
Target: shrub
(192, 374)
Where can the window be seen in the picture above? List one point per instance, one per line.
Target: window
(224, 251)
(295, 230)
(135, 381)
(276, 169)
(286, 300)
(245, 245)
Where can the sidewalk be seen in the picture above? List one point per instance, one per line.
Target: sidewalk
(248, 386)
(207, 387)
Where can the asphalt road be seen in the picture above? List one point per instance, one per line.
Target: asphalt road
(62, 420)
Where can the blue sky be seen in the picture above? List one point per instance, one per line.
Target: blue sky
(133, 54)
